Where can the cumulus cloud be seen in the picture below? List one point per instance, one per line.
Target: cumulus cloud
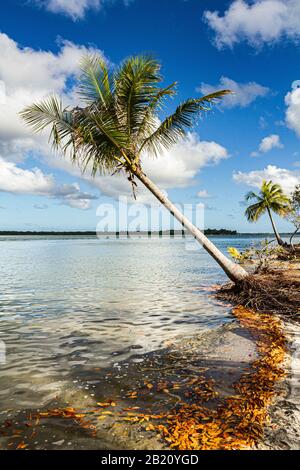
(52, 73)
(71, 195)
(182, 163)
(176, 168)
(292, 115)
(75, 9)
(2, 92)
(270, 142)
(16, 180)
(267, 144)
(244, 93)
(19, 181)
(204, 194)
(288, 179)
(256, 22)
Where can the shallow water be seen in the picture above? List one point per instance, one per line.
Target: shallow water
(70, 305)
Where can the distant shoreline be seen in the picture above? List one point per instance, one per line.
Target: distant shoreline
(171, 233)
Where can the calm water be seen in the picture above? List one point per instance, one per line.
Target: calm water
(68, 306)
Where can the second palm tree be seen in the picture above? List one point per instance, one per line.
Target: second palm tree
(270, 199)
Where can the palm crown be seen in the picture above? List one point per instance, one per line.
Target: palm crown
(270, 197)
(118, 120)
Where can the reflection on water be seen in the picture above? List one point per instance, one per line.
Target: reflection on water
(68, 306)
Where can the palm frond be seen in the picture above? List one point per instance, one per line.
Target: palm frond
(174, 127)
(48, 112)
(149, 122)
(251, 195)
(255, 211)
(51, 113)
(136, 85)
(95, 81)
(84, 134)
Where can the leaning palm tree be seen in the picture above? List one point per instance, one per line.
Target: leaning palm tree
(270, 199)
(118, 124)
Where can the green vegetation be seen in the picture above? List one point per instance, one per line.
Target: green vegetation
(262, 255)
(269, 199)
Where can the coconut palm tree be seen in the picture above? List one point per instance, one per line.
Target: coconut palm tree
(118, 124)
(269, 199)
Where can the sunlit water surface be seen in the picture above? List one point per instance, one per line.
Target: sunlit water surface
(70, 305)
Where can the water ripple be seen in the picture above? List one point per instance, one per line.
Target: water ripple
(82, 304)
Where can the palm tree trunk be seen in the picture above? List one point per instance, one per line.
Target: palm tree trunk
(292, 237)
(278, 237)
(234, 271)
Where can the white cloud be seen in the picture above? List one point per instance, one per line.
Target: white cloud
(182, 163)
(244, 93)
(287, 179)
(204, 194)
(71, 195)
(177, 168)
(256, 22)
(2, 92)
(51, 75)
(267, 144)
(23, 87)
(51, 71)
(75, 9)
(19, 181)
(270, 142)
(292, 116)
(16, 180)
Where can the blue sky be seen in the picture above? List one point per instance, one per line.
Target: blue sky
(251, 47)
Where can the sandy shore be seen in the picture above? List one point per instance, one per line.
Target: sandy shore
(283, 431)
(221, 355)
(227, 352)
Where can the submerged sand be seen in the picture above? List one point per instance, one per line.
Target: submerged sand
(222, 355)
(228, 352)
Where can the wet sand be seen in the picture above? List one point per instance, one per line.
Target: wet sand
(283, 430)
(156, 384)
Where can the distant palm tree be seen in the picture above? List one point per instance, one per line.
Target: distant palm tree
(118, 124)
(270, 199)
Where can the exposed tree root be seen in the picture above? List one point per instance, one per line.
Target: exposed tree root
(276, 292)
